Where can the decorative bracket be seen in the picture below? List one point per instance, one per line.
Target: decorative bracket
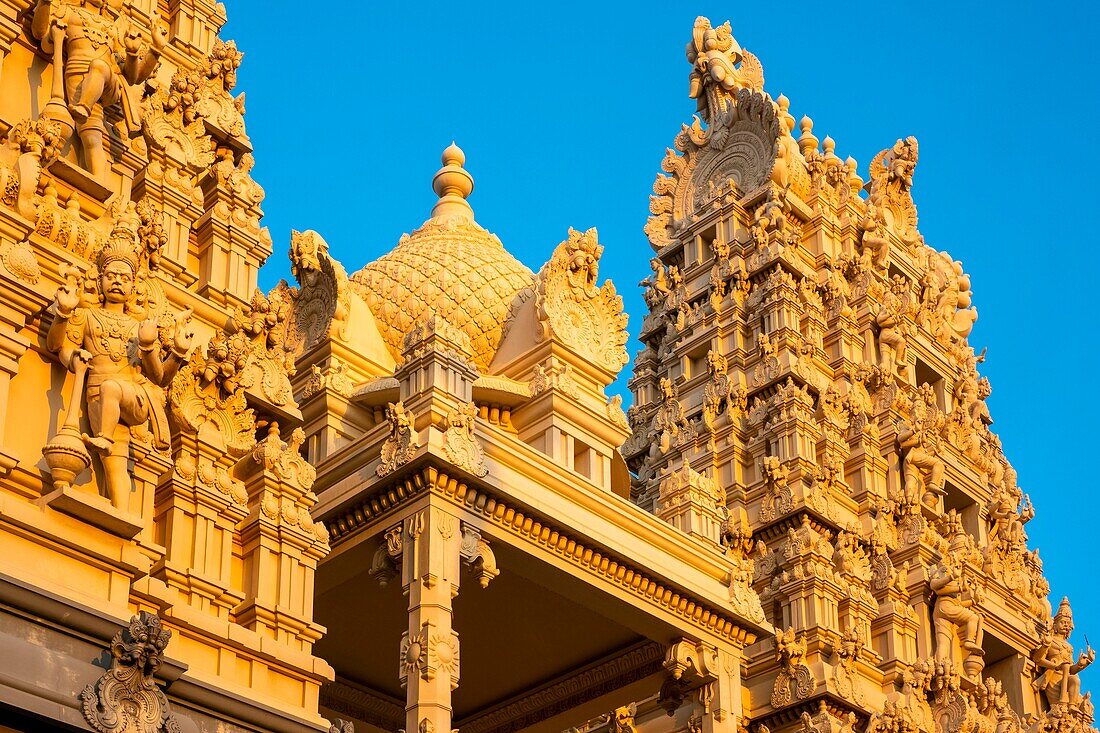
(478, 556)
(385, 567)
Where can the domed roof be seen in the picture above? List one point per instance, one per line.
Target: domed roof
(450, 267)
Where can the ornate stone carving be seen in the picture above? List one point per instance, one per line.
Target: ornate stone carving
(1058, 671)
(721, 393)
(743, 553)
(460, 447)
(385, 565)
(321, 303)
(402, 443)
(615, 412)
(795, 680)
(670, 424)
(554, 374)
(957, 595)
(478, 555)
(98, 61)
(203, 94)
(25, 151)
(846, 683)
(207, 394)
(719, 67)
(919, 439)
(891, 181)
(430, 653)
(268, 365)
(285, 459)
(777, 499)
(892, 321)
(105, 334)
(587, 318)
(945, 297)
(334, 378)
(126, 698)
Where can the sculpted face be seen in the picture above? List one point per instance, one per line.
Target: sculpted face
(116, 282)
(1063, 626)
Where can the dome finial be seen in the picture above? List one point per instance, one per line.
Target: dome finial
(453, 184)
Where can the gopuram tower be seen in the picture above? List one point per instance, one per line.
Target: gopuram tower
(807, 371)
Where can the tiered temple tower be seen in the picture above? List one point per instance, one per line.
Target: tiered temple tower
(806, 352)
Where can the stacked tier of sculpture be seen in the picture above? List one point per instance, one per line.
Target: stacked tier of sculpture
(810, 525)
(807, 351)
(140, 367)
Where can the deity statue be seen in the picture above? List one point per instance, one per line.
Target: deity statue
(119, 351)
(1010, 510)
(918, 437)
(1054, 658)
(770, 216)
(670, 419)
(956, 596)
(656, 285)
(890, 320)
(875, 243)
(97, 60)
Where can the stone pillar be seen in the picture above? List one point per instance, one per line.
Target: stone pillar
(428, 663)
(199, 505)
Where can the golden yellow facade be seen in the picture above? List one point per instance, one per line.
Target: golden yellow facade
(402, 499)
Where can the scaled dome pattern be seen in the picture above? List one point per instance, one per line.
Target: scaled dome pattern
(450, 267)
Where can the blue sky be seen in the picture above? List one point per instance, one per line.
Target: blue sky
(565, 109)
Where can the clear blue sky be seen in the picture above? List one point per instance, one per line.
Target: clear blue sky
(565, 109)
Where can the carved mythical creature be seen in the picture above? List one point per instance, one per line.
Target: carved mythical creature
(97, 61)
(121, 352)
(322, 300)
(795, 680)
(719, 67)
(1054, 658)
(587, 318)
(126, 698)
(401, 444)
(670, 424)
(459, 444)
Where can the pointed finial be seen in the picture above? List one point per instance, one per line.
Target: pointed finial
(807, 141)
(453, 184)
(854, 181)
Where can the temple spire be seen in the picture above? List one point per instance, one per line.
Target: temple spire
(453, 184)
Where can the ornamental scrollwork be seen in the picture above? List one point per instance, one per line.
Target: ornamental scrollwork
(126, 698)
(570, 306)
